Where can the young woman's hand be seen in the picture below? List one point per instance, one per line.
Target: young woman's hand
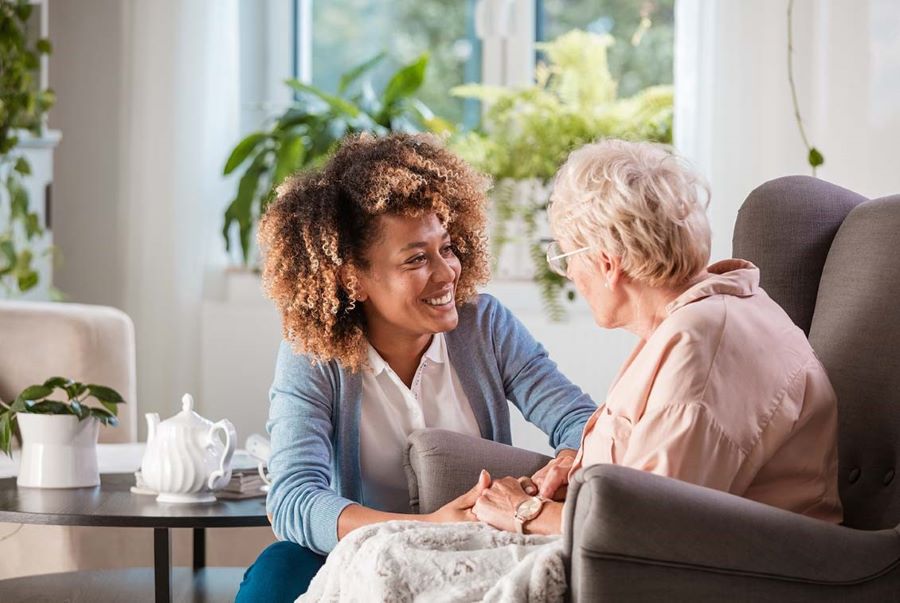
(553, 479)
(460, 509)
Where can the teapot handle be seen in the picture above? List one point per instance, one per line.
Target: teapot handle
(219, 477)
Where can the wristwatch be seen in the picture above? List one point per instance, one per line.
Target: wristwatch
(527, 510)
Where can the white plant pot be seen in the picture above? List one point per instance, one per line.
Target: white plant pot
(58, 451)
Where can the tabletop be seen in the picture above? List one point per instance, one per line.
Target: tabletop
(113, 504)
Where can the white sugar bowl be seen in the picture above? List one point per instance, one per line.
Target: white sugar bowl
(186, 460)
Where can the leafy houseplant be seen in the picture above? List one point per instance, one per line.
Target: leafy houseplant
(36, 399)
(308, 131)
(22, 109)
(528, 133)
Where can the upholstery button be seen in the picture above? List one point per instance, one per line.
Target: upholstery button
(854, 475)
(888, 477)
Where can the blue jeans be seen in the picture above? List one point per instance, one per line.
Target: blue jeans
(281, 573)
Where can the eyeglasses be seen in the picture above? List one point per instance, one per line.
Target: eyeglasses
(559, 261)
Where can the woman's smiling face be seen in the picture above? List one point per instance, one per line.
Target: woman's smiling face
(409, 288)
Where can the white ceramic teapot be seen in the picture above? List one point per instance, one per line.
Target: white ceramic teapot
(185, 460)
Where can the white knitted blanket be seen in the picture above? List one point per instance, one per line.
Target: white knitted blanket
(417, 561)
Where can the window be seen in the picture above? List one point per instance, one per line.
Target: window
(489, 41)
(644, 33)
(344, 33)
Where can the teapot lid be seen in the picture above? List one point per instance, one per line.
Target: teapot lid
(187, 416)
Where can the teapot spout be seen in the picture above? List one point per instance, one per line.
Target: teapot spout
(152, 423)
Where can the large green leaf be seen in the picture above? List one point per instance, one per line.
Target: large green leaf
(404, 83)
(32, 226)
(337, 104)
(23, 10)
(104, 416)
(354, 73)
(27, 280)
(241, 210)
(35, 392)
(295, 116)
(243, 150)
(815, 157)
(75, 389)
(105, 394)
(109, 406)
(6, 420)
(289, 157)
(228, 219)
(22, 166)
(57, 382)
(8, 254)
(18, 199)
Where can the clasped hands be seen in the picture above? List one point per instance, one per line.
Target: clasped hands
(494, 501)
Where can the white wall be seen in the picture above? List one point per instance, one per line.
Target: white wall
(87, 71)
(734, 116)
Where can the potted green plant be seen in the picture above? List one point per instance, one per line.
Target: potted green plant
(528, 132)
(307, 132)
(22, 109)
(58, 431)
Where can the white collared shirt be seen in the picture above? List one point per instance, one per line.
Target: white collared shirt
(391, 411)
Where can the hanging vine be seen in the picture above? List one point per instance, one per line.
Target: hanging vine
(814, 156)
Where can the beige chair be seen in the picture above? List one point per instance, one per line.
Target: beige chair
(92, 344)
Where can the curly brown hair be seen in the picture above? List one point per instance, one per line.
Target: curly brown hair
(326, 219)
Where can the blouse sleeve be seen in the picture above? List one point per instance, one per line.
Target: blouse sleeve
(303, 506)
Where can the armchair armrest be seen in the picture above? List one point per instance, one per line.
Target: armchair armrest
(705, 541)
(440, 465)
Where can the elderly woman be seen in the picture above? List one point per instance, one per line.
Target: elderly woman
(722, 389)
(373, 262)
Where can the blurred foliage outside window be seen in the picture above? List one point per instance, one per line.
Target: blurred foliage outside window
(346, 32)
(643, 30)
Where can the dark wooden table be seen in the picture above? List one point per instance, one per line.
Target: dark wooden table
(112, 504)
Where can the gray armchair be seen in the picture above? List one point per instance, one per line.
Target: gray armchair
(827, 256)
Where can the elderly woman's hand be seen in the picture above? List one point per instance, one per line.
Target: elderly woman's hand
(496, 506)
(552, 480)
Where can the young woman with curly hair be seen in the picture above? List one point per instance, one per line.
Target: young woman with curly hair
(373, 262)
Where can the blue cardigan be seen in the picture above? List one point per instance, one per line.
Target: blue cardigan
(315, 410)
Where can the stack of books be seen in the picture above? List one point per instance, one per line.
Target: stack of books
(244, 483)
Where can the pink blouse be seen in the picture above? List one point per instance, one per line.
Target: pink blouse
(726, 393)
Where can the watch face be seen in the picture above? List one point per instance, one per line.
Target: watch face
(529, 508)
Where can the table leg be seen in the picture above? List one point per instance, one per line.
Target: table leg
(199, 548)
(162, 565)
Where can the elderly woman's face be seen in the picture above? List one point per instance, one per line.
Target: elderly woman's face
(410, 286)
(587, 271)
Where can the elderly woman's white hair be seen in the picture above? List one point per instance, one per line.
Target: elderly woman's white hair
(636, 201)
